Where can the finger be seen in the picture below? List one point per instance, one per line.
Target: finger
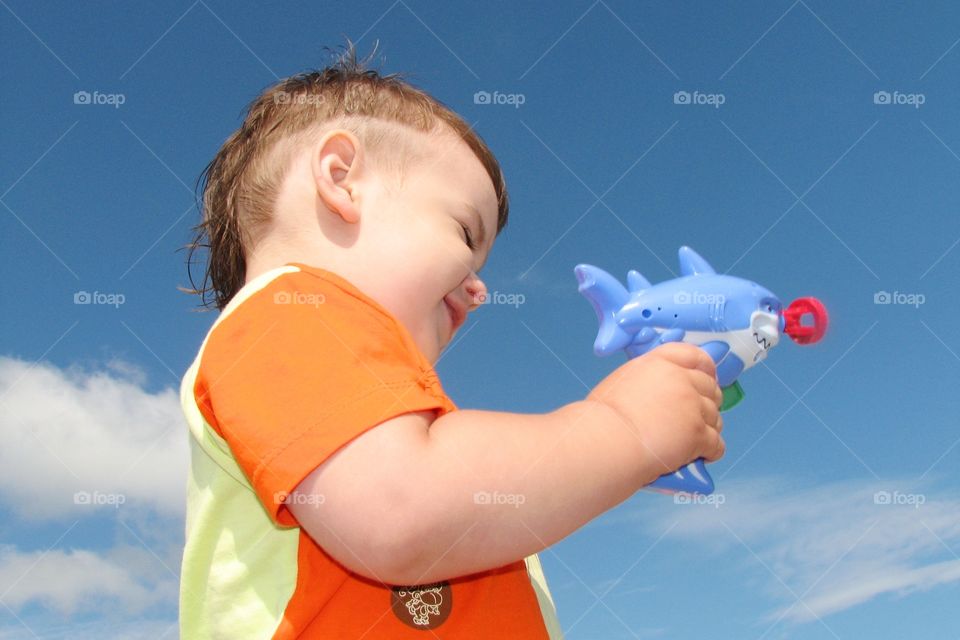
(716, 449)
(706, 386)
(689, 356)
(710, 413)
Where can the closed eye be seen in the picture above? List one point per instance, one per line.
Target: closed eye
(468, 237)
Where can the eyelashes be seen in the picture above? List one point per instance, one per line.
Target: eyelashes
(468, 236)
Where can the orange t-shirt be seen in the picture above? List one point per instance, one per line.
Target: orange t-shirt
(297, 366)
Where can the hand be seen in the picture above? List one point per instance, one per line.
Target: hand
(670, 398)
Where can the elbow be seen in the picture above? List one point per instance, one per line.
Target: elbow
(398, 557)
(383, 552)
(393, 563)
(404, 568)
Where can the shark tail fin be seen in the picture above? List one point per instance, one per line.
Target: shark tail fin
(607, 296)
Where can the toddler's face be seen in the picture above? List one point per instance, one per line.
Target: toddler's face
(422, 268)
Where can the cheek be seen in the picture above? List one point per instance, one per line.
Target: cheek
(417, 267)
(434, 269)
(424, 320)
(415, 305)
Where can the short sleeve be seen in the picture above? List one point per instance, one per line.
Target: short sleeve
(298, 370)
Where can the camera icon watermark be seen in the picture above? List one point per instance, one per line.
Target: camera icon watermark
(915, 500)
(99, 298)
(698, 297)
(99, 499)
(299, 297)
(286, 97)
(512, 99)
(914, 100)
(899, 297)
(714, 499)
(112, 99)
(497, 498)
(714, 100)
(287, 498)
(498, 297)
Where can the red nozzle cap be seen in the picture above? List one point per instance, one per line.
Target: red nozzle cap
(805, 334)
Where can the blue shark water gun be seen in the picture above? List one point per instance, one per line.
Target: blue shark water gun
(735, 321)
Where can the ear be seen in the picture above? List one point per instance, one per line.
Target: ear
(336, 165)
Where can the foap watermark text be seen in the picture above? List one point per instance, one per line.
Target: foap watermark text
(497, 498)
(697, 98)
(99, 297)
(111, 99)
(514, 100)
(899, 297)
(896, 98)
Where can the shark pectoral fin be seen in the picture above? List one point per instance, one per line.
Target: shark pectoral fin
(643, 341)
(630, 318)
(732, 395)
(610, 337)
(672, 335)
(647, 334)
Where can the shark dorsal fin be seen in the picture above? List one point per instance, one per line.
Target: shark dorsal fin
(636, 282)
(692, 264)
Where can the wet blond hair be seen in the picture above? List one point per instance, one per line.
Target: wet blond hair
(240, 185)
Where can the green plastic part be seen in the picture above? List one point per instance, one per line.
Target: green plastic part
(732, 395)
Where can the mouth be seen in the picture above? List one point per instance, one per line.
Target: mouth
(765, 334)
(762, 343)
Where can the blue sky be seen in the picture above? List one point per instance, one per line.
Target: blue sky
(831, 168)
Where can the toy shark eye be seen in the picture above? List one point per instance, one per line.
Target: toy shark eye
(646, 313)
(770, 306)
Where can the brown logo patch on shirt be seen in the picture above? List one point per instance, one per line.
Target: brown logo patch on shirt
(423, 606)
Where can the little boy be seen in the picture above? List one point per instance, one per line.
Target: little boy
(335, 491)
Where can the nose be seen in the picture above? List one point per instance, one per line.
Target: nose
(476, 291)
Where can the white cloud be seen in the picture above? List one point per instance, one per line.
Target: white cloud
(103, 435)
(835, 546)
(140, 629)
(891, 580)
(98, 432)
(72, 581)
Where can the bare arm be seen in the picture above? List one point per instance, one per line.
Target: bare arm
(410, 502)
(518, 483)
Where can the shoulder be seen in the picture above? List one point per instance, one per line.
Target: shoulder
(303, 294)
(297, 309)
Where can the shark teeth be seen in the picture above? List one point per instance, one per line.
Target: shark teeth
(761, 341)
(762, 353)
